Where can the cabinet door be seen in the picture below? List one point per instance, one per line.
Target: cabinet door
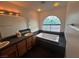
(29, 43)
(34, 40)
(22, 47)
(9, 52)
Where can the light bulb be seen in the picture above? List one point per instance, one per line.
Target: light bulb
(39, 9)
(56, 4)
(1, 12)
(17, 14)
(10, 13)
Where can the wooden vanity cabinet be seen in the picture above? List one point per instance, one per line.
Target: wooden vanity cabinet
(25, 45)
(10, 52)
(18, 49)
(21, 47)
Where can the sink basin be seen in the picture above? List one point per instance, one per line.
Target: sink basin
(28, 34)
(4, 43)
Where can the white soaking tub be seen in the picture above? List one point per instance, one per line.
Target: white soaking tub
(51, 37)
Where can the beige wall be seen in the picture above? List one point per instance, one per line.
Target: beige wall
(9, 25)
(72, 36)
(33, 20)
(60, 12)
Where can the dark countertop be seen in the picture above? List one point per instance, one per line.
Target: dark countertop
(62, 40)
(14, 40)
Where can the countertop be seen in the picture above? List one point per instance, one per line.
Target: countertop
(14, 40)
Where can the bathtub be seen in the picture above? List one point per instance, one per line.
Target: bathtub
(46, 36)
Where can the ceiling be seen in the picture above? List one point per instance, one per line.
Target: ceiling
(30, 5)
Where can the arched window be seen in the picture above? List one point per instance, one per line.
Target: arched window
(51, 23)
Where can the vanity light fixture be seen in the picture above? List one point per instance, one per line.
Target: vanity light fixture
(6, 12)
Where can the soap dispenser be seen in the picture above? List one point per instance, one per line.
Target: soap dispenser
(18, 34)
